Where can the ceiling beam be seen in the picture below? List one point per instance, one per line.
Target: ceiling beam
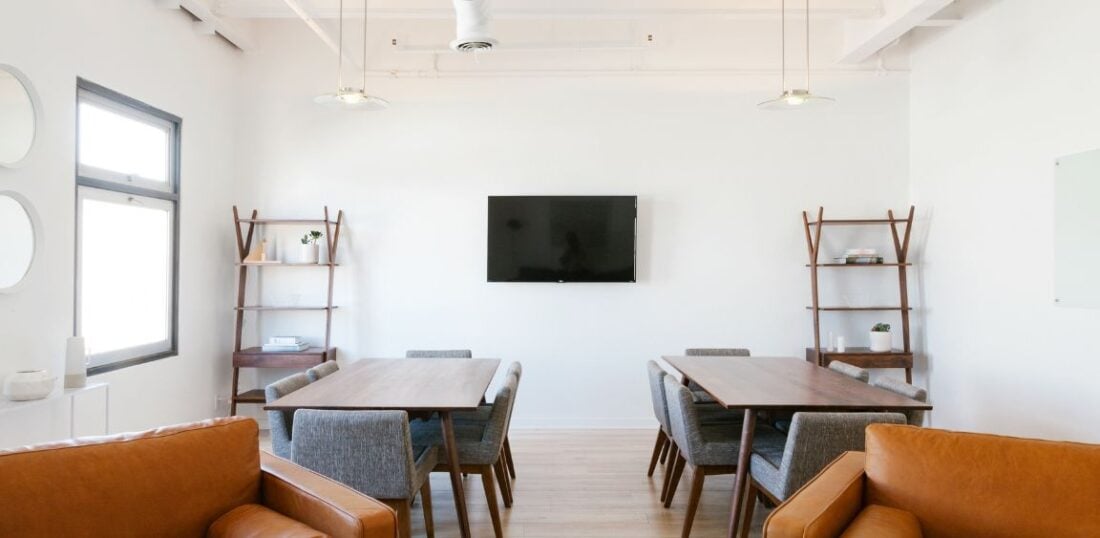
(208, 23)
(863, 39)
(248, 10)
(302, 12)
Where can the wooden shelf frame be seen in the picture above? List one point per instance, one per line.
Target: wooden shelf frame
(900, 238)
(255, 357)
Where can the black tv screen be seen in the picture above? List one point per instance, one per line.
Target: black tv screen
(562, 238)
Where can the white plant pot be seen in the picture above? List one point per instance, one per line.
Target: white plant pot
(28, 385)
(309, 253)
(881, 342)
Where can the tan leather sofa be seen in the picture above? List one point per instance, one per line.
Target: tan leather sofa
(203, 479)
(914, 482)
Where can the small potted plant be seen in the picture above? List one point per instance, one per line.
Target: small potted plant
(880, 338)
(310, 250)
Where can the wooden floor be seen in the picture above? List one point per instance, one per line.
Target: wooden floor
(584, 483)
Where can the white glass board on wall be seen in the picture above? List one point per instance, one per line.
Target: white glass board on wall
(1077, 230)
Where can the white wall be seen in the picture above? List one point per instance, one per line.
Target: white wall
(155, 56)
(993, 103)
(721, 187)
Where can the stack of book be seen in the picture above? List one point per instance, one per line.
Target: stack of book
(284, 344)
(860, 256)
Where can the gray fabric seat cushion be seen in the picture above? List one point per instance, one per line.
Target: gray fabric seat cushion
(468, 435)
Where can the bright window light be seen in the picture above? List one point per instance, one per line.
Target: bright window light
(133, 148)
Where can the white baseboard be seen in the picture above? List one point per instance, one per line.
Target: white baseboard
(581, 423)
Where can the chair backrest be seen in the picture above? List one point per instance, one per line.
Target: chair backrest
(500, 417)
(683, 419)
(282, 422)
(816, 439)
(322, 370)
(439, 354)
(515, 369)
(172, 481)
(657, 393)
(716, 352)
(972, 484)
(713, 352)
(370, 451)
(897, 386)
(854, 372)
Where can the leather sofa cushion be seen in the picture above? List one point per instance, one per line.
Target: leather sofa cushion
(256, 521)
(169, 482)
(876, 521)
(967, 484)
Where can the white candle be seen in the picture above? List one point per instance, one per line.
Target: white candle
(76, 367)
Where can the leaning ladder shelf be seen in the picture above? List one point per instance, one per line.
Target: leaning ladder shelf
(862, 357)
(255, 357)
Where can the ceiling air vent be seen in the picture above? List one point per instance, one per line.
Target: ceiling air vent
(472, 22)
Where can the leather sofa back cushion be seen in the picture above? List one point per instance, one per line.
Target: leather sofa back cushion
(169, 482)
(967, 484)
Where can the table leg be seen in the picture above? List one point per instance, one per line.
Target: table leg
(742, 471)
(451, 449)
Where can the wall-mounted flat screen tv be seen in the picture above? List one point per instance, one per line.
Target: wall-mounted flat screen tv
(562, 238)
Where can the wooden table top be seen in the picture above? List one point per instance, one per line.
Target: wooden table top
(785, 383)
(411, 384)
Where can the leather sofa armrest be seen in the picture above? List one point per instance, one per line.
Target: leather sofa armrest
(321, 503)
(825, 506)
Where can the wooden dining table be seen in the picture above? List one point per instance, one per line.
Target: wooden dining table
(779, 384)
(439, 385)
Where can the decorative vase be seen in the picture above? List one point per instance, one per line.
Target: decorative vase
(880, 341)
(28, 385)
(309, 253)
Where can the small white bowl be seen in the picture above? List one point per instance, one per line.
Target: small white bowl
(28, 385)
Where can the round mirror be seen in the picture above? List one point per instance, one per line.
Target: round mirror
(17, 240)
(17, 116)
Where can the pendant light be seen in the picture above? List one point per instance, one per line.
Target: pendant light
(349, 98)
(794, 98)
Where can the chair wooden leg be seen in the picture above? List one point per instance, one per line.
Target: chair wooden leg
(665, 448)
(656, 451)
(404, 523)
(508, 458)
(491, 499)
(697, 477)
(679, 470)
(426, 500)
(673, 453)
(503, 482)
(750, 506)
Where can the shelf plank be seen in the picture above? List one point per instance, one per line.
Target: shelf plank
(256, 357)
(254, 396)
(858, 308)
(855, 222)
(284, 308)
(863, 357)
(862, 265)
(319, 222)
(287, 264)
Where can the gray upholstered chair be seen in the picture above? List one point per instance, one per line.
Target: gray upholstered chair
(780, 465)
(854, 372)
(439, 354)
(322, 370)
(897, 386)
(480, 444)
(282, 422)
(704, 450)
(370, 451)
(700, 394)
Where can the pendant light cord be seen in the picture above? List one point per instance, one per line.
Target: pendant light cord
(807, 46)
(340, 52)
(364, 46)
(783, 45)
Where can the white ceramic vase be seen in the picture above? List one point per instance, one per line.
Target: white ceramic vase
(881, 341)
(309, 253)
(28, 385)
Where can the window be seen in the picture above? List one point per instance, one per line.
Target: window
(127, 236)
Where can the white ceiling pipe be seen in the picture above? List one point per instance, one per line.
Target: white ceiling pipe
(472, 26)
